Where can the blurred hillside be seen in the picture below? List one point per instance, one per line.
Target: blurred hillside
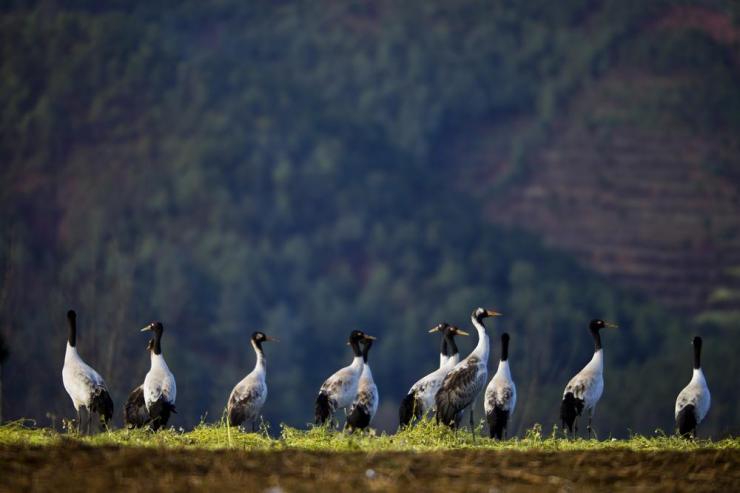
(310, 168)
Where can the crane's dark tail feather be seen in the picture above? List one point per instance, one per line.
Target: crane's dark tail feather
(236, 416)
(447, 413)
(135, 414)
(686, 421)
(497, 421)
(103, 405)
(159, 413)
(410, 409)
(358, 418)
(322, 410)
(569, 409)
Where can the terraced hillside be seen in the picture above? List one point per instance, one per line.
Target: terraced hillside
(639, 179)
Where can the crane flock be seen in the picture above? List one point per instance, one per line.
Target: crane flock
(446, 393)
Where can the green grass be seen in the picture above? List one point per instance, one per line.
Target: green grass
(424, 437)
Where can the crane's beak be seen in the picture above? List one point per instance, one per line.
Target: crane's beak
(148, 327)
(369, 338)
(434, 329)
(492, 313)
(271, 339)
(611, 325)
(460, 332)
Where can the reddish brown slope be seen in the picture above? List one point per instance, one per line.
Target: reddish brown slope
(629, 184)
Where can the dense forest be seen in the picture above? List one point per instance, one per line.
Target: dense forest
(232, 166)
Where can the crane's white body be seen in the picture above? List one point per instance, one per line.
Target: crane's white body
(696, 393)
(80, 381)
(341, 387)
(501, 390)
(250, 394)
(367, 393)
(588, 384)
(159, 382)
(426, 387)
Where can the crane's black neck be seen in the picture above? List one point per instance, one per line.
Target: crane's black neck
(355, 347)
(504, 347)
(451, 344)
(72, 322)
(697, 354)
(157, 347)
(597, 338)
(443, 346)
(366, 349)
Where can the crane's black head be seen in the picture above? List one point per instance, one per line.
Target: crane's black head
(452, 331)
(598, 324)
(72, 322)
(358, 335)
(481, 313)
(439, 327)
(697, 342)
(443, 342)
(354, 340)
(259, 337)
(595, 326)
(157, 328)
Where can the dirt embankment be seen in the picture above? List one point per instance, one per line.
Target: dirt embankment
(81, 468)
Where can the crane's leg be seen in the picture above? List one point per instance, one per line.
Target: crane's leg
(472, 424)
(575, 428)
(591, 430)
(89, 420)
(79, 422)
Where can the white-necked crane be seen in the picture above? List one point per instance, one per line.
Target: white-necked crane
(249, 395)
(363, 409)
(464, 382)
(584, 390)
(419, 400)
(694, 400)
(135, 414)
(340, 389)
(500, 397)
(160, 390)
(84, 385)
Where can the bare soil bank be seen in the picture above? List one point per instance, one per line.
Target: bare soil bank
(77, 467)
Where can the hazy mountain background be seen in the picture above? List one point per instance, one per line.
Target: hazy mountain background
(307, 168)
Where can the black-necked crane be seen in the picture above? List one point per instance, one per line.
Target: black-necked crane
(694, 400)
(419, 400)
(135, 414)
(84, 385)
(363, 409)
(446, 353)
(160, 390)
(500, 397)
(464, 382)
(249, 395)
(584, 390)
(340, 389)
